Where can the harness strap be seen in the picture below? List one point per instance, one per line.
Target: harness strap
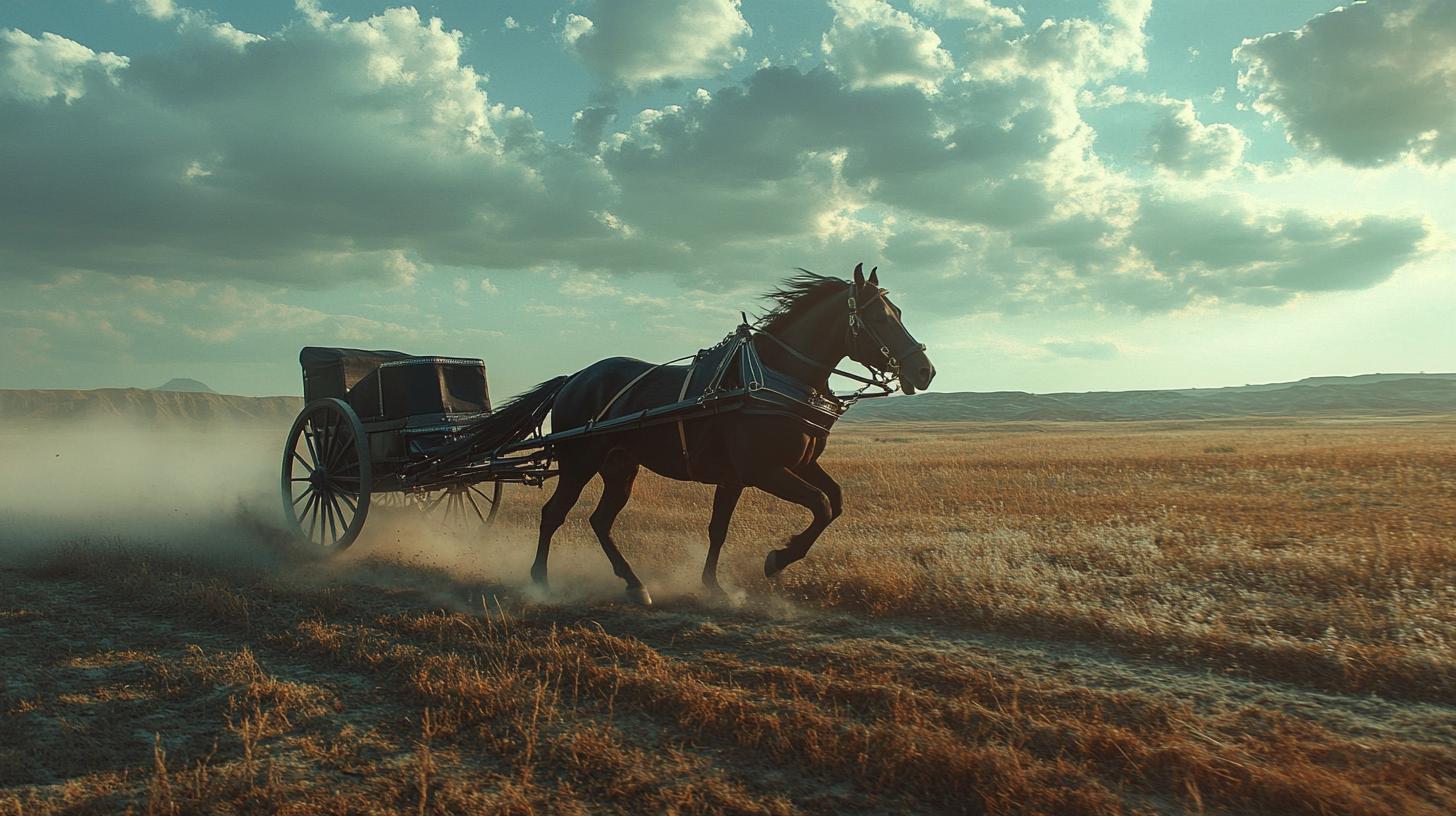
(628, 386)
(682, 434)
(816, 363)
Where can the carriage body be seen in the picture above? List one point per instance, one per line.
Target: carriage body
(373, 423)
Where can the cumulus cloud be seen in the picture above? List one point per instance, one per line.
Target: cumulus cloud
(1367, 83)
(35, 70)
(339, 150)
(1224, 249)
(1180, 144)
(636, 43)
(872, 44)
(980, 11)
(271, 159)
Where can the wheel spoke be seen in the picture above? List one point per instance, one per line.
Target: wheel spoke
(339, 445)
(321, 442)
(312, 448)
(303, 462)
(329, 510)
(313, 517)
(469, 496)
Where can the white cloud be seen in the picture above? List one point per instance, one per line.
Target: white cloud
(1366, 84)
(872, 44)
(1180, 144)
(1229, 249)
(156, 9)
(39, 69)
(337, 151)
(637, 43)
(588, 285)
(275, 159)
(980, 11)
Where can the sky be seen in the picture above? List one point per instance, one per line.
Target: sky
(1064, 195)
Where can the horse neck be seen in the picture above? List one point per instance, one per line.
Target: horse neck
(817, 334)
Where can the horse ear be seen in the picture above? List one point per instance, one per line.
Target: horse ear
(859, 280)
(874, 277)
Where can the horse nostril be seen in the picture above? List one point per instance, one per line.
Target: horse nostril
(927, 373)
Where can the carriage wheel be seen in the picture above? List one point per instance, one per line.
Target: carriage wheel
(460, 505)
(326, 478)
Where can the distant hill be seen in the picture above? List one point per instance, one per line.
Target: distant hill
(184, 384)
(144, 404)
(1386, 395)
(1369, 395)
(1359, 379)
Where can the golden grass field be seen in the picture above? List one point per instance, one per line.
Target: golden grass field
(1252, 617)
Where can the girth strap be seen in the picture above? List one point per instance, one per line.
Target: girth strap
(682, 434)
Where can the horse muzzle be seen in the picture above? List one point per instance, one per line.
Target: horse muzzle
(916, 372)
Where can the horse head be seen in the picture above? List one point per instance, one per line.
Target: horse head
(878, 338)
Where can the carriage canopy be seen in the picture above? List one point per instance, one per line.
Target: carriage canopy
(392, 385)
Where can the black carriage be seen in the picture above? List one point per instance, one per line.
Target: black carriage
(375, 425)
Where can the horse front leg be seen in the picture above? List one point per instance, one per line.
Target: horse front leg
(725, 500)
(815, 475)
(789, 486)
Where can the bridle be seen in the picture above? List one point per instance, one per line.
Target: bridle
(858, 324)
(886, 378)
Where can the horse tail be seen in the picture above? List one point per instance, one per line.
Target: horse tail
(518, 417)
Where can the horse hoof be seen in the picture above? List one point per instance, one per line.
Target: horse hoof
(639, 596)
(771, 564)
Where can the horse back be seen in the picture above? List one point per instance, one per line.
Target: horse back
(597, 392)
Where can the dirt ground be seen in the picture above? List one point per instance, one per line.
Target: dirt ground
(159, 657)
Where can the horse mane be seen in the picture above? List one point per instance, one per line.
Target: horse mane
(797, 295)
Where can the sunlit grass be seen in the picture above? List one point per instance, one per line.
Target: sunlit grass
(1085, 619)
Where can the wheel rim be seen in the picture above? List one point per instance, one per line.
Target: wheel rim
(326, 478)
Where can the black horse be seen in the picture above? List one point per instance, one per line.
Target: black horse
(773, 443)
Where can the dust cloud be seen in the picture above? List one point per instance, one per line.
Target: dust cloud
(112, 479)
(212, 491)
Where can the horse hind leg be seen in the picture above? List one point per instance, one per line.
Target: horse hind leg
(619, 473)
(725, 500)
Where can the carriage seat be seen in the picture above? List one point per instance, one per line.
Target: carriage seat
(391, 385)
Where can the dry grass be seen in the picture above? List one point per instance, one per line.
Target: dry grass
(1069, 619)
